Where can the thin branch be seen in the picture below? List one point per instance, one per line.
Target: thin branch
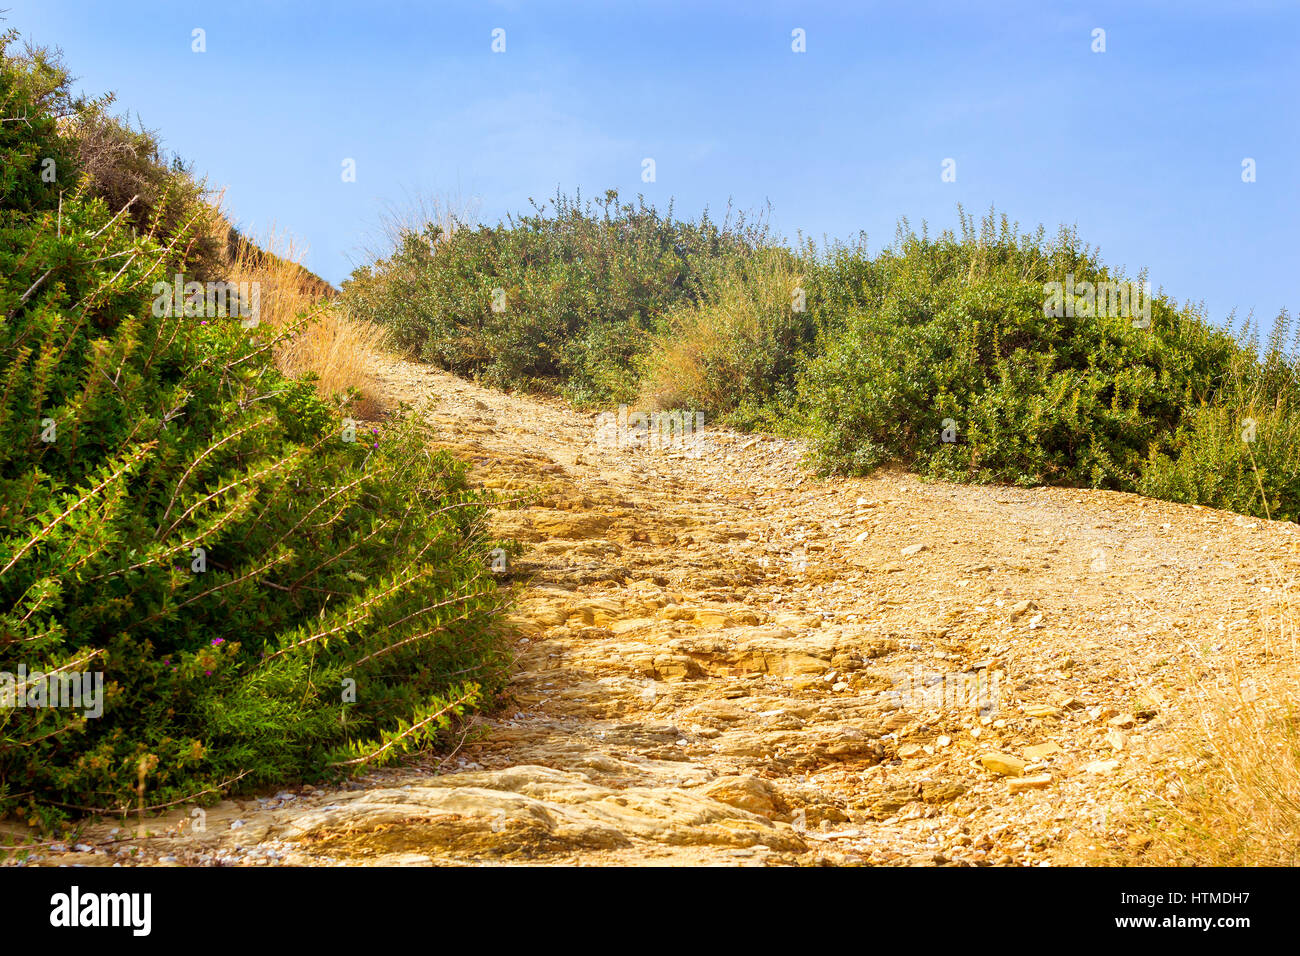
(366, 758)
(44, 532)
(124, 810)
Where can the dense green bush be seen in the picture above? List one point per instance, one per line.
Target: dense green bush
(950, 364)
(267, 592)
(1240, 450)
(564, 298)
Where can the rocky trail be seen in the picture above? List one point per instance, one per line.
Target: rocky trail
(724, 660)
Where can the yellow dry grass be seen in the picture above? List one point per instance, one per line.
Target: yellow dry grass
(1235, 799)
(330, 345)
(707, 360)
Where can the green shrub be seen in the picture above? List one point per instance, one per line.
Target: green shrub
(950, 363)
(1243, 451)
(178, 516)
(560, 300)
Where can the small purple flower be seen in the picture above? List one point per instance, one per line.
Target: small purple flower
(218, 640)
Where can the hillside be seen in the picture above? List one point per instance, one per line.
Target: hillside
(722, 659)
(963, 552)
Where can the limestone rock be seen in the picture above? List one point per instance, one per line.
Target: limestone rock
(1005, 765)
(1036, 752)
(748, 793)
(1036, 782)
(1019, 609)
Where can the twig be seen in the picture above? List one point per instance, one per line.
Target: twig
(365, 758)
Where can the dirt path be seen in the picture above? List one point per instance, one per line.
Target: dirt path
(727, 661)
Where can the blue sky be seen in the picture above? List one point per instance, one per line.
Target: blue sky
(1140, 146)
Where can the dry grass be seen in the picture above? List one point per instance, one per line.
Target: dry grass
(1235, 800)
(329, 344)
(720, 349)
(448, 212)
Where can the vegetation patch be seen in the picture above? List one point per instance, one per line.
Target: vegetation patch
(242, 583)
